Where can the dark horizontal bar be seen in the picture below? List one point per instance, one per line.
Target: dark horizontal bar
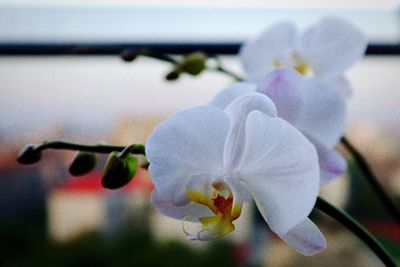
(113, 49)
(164, 48)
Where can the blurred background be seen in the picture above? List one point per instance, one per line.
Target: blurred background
(48, 218)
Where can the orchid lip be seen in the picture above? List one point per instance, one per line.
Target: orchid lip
(220, 200)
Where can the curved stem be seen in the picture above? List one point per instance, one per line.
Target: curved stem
(229, 73)
(220, 68)
(389, 203)
(128, 150)
(347, 221)
(135, 149)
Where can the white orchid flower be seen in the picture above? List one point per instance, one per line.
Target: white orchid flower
(205, 162)
(326, 50)
(312, 105)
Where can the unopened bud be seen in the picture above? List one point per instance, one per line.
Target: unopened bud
(193, 63)
(118, 171)
(173, 75)
(82, 163)
(129, 54)
(29, 154)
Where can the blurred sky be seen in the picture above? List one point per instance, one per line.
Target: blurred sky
(123, 20)
(280, 3)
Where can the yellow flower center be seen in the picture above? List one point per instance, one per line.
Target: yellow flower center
(221, 203)
(298, 63)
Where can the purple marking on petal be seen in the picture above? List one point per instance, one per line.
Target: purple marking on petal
(283, 86)
(334, 169)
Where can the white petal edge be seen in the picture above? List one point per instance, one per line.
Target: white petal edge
(323, 114)
(332, 46)
(190, 211)
(187, 143)
(343, 84)
(305, 238)
(280, 169)
(237, 112)
(332, 163)
(226, 96)
(284, 87)
(276, 43)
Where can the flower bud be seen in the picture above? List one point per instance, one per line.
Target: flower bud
(118, 171)
(193, 63)
(173, 75)
(129, 54)
(82, 163)
(29, 154)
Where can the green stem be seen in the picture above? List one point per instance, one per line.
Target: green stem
(347, 221)
(389, 203)
(227, 72)
(220, 68)
(128, 150)
(135, 149)
(169, 59)
(158, 56)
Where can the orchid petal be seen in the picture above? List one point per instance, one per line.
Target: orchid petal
(280, 169)
(275, 45)
(331, 163)
(191, 211)
(332, 46)
(306, 238)
(324, 112)
(199, 189)
(237, 111)
(283, 86)
(187, 143)
(226, 96)
(343, 85)
(239, 195)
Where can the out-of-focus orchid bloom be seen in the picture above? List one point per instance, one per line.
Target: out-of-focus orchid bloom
(312, 105)
(205, 162)
(326, 50)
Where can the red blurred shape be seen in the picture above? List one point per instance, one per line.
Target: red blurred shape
(91, 182)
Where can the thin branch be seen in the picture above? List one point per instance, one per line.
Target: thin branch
(134, 149)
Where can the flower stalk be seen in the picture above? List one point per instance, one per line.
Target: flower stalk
(356, 228)
(362, 163)
(134, 149)
(171, 60)
(32, 153)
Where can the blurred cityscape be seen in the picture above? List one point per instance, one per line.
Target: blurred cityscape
(48, 217)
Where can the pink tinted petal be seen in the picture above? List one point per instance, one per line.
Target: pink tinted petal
(332, 164)
(191, 211)
(305, 238)
(258, 57)
(284, 87)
